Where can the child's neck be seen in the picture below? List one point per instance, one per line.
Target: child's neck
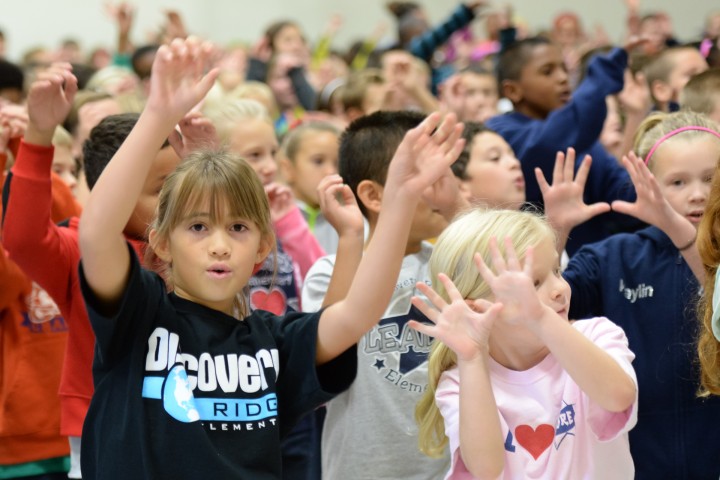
(516, 354)
(531, 112)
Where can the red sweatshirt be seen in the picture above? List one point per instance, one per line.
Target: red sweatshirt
(49, 254)
(32, 346)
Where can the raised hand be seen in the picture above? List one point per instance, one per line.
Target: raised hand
(49, 101)
(564, 204)
(635, 96)
(424, 156)
(463, 325)
(196, 132)
(512, 284)
(650, 206)
(179, 80)
(13, 121)
(281, 200)
(452, 95)
(339, 206)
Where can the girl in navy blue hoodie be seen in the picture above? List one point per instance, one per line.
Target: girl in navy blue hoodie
(648, 283)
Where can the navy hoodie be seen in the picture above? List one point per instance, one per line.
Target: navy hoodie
(641, 282)
(577, 124)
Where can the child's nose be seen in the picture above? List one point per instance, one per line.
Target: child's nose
(219, 245)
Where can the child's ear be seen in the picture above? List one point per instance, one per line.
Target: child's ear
(159, 246)
(512, 90)
(264, 249)
(287, 169)
(661, 92)
(465, 191)
(370, 193)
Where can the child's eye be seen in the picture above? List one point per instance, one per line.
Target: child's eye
(197, 227)
(536, 283)
(677, 183)
(708, 179)
(238, 227)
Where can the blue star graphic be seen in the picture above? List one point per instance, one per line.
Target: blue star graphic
(379, 363)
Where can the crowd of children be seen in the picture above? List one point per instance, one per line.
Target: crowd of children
(441, 258)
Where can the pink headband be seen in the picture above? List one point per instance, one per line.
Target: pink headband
(675, 132)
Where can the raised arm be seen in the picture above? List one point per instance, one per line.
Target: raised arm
(424, 156)
(32, 239)
(347, 220)
(596, 373)
(178, 83)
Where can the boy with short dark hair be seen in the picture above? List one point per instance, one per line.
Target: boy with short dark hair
(371, 427)
(548, 118)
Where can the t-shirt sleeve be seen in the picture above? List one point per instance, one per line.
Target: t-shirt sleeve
(308, 385)
(316, 284)
(611, 339)
(115, 334)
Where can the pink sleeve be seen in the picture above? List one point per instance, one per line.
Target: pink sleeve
(611, 338)
(447, 399)
(297, 240)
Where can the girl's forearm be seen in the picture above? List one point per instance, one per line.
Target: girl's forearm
(481, 441)
(594, 370)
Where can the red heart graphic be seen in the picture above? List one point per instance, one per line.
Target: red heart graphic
(535, 440)
(273, 302)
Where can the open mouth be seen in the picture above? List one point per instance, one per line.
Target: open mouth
(695, 217)
(219, 272)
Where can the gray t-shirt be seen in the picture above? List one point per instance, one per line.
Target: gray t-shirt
(370, 430)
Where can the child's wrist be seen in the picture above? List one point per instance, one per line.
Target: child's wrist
(36, 136)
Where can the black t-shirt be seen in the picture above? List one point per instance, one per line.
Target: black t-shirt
(185, 391)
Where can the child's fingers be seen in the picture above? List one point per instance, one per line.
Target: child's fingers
(569, 166)
(557, 175)
(176, 142)
(327, 181)
(437, 301)
(483, 269)
(428, 330)
(542, 183)
(529, 261)
(347, 195)
(497, 259)
(451, 143)
(429, 312)
(513, 262)
(584, 170)
(481, 305)
(445, 129)
(450, 288)
(622, 206)
(597, 208)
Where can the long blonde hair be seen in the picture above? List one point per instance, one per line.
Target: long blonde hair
(453, 255)
(222, 179)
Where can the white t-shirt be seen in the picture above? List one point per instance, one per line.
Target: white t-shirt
(370, 430)
(552, 429)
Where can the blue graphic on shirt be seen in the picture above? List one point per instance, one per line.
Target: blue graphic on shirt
(177, 398)
(394, 335)
(180, 403)
(565, 423)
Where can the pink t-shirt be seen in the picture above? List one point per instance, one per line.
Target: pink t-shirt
(551, 428)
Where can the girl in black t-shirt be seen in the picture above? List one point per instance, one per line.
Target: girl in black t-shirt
(187, 384)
